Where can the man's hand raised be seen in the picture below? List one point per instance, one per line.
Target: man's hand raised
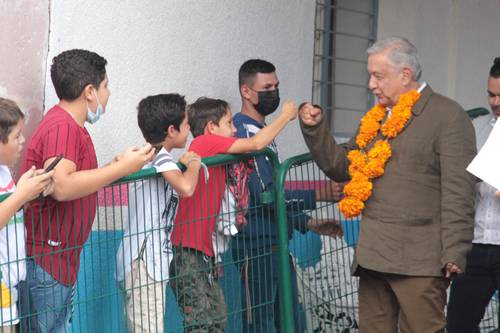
(310, 115)
(290, 110)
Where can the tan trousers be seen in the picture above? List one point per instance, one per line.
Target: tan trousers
(144, 300)
(391, 301)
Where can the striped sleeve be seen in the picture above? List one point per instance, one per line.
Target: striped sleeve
(62, 139)
(164, 161)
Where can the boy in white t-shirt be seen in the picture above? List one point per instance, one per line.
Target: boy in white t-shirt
(12, 231)
(144, 256)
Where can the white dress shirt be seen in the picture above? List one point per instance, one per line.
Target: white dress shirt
(487, 216)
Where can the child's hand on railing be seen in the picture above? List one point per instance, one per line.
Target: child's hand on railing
(189, 157)
(326, 227)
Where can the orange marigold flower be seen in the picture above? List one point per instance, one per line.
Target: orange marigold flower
(411, 97)
(353, 169)
(367, 131)
(351, 207)
(377, 112)
(355, 155)
(365, 166)
(357, 159)
(359, 176)
(400, 114)
(381, 150)
(361, 189)
(374, 168)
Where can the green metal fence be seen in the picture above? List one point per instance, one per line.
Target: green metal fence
(100, 298)
(328, 292)
(316, 290)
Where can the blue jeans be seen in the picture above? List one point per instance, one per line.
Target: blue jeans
(264, 299)
(471, 292)
(45, 304)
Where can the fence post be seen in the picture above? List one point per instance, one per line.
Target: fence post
(286, 305)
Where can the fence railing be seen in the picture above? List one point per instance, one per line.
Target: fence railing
(327, 291)
(129, 277)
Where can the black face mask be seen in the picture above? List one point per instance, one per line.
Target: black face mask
(268, 101)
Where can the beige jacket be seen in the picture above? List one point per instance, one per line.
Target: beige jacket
(420, 215)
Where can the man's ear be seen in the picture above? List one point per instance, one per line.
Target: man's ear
(210, 127)
(88, 93)
(407, 74)
(245, 91)
(171, 130)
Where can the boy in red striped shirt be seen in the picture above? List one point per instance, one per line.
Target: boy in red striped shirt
(58, 227)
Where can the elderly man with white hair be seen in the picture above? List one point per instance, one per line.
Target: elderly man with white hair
(406, 172)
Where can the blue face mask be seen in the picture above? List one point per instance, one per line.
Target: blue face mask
(93, 117)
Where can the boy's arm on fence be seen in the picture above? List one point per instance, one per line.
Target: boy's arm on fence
(185, 182)
(71, 184)
(267, 134)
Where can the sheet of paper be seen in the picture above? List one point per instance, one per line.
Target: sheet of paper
(486, 164)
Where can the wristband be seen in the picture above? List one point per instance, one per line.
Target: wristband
(203, 166)
(191, 159)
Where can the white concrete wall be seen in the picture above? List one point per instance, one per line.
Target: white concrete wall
(187, 46)
(196, 47)
(457, 41)
(23, 50)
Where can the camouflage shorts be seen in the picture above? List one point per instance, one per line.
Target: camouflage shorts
(198, 294)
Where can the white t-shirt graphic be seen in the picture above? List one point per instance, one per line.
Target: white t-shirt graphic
(152, 205)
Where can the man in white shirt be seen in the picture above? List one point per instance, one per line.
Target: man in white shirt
(471, 292)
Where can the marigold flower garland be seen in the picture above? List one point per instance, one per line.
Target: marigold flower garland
(365, 166)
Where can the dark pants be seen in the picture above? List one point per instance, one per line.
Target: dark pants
(260, 299)
(472, 291)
